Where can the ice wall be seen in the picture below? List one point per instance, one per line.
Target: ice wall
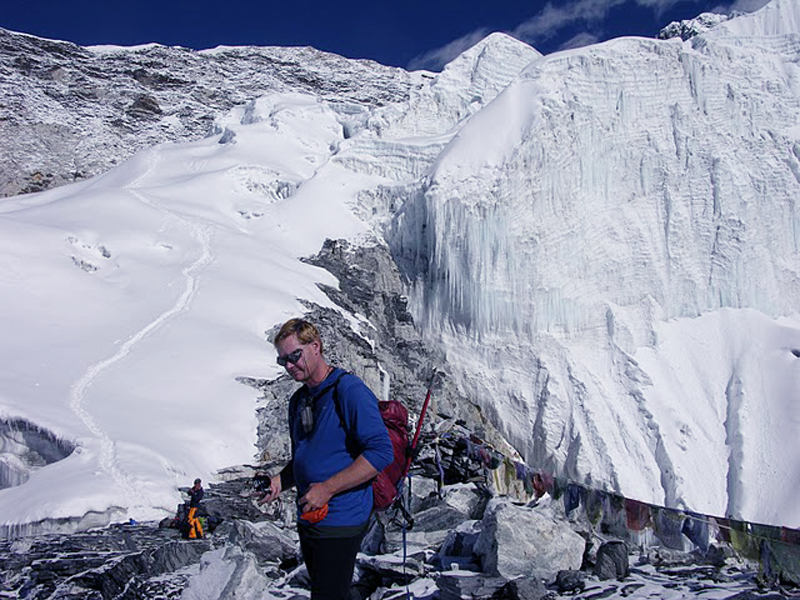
(607, 194)
(25, 447)
(629, 169)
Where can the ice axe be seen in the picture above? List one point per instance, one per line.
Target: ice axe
(413, 449)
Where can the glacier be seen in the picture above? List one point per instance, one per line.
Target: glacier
(603, 242)
(609, 198)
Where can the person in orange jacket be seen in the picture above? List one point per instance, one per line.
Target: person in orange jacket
(196, 494)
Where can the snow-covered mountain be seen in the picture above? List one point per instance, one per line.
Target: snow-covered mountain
(603, 243)
(70, 113)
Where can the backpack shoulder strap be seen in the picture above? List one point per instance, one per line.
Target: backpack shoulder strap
(294, 399)
(337, 403)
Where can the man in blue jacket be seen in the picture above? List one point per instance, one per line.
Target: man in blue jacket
(339, 444)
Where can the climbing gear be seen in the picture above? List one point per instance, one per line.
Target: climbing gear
(421, 418)
(402, 516)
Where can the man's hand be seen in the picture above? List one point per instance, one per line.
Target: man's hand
(274, 490)
(318, 494)
(316, 497)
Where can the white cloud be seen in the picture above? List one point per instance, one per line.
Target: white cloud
(435, 60)
(741, 6)
(658, 6)
(579, 41)
(551, 21)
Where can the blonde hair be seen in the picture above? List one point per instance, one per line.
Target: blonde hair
(304, 330)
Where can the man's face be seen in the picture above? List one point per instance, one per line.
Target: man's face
(300, 358)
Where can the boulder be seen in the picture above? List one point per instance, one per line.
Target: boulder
(176, 554)
(458, 585)
(612, 561)
(424, 492)
(392, 567)
(458, 547)
(519, 541)
(264, 540)
(467, 498)
(780, 562)
(569, 582)
(431, 527)
(224, 574)
(524, 588)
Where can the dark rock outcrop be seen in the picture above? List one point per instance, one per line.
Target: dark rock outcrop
(116, 562)
(369, 285)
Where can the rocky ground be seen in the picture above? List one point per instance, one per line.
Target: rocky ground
(465, 543)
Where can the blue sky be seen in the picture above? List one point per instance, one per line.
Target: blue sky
(406, 33)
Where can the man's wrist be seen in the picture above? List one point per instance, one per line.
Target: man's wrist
(329, 486)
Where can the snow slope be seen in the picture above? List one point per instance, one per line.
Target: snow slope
(133, 301)
(604, 241)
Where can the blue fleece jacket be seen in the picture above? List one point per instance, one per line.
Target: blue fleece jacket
(339, 436)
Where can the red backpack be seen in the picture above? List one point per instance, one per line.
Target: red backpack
(384, 488)
(395, 417)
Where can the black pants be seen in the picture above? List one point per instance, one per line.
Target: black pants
(330, 562)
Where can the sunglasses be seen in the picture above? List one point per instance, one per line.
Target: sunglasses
(292, 357)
